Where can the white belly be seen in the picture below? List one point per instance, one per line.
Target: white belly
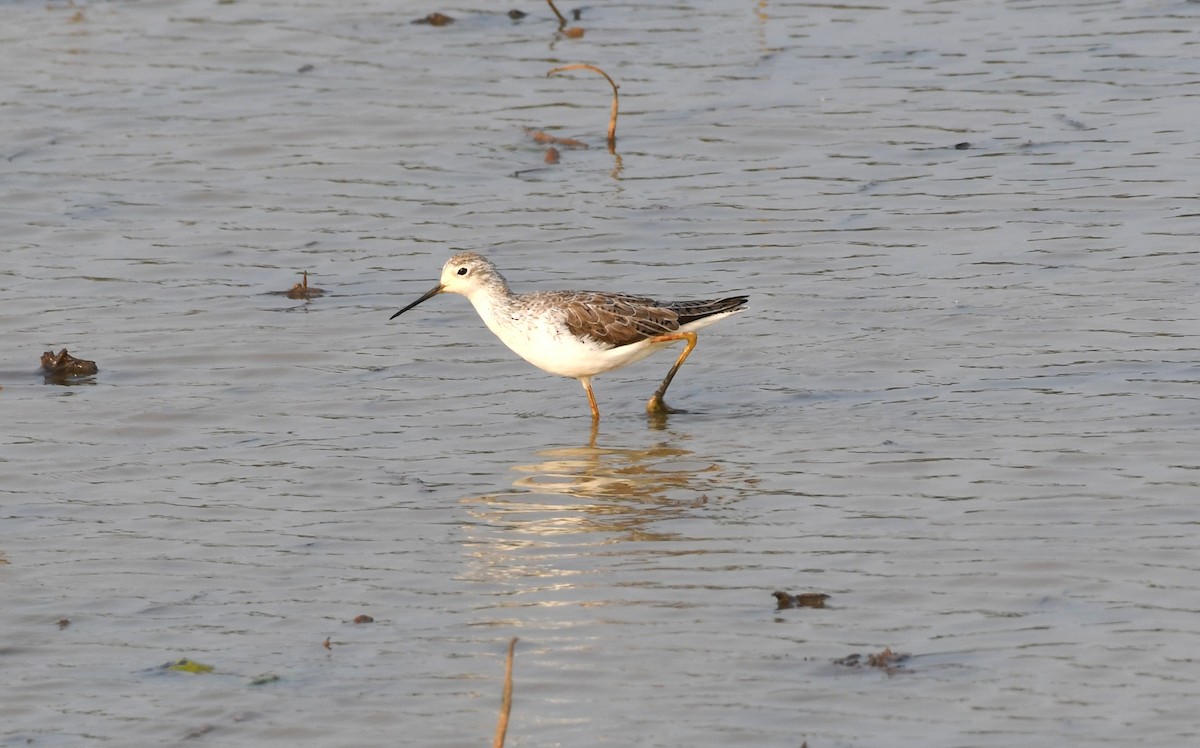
(551, 347)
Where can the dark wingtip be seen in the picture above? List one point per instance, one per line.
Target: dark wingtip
(734, 303)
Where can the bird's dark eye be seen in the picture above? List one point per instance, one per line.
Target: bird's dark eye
(462, 271)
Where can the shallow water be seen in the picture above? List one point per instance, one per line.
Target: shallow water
(964, 401)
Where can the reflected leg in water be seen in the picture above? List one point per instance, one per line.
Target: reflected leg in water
(596, 488)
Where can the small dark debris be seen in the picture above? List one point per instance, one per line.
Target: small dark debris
(63, 623)
(1072, 123)
(963, 146)
(551, 156)
(197, 732)
(436, 19)
(577, 13)
(326, 643)
(262, 680)
(61, 366)
(517, 15)
(306, 68)
(364, 618)
(803, 600)
(887, 660)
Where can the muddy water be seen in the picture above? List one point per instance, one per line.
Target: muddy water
(964, 402)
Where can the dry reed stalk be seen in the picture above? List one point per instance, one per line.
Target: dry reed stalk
(561, 21)
(506, 699)
(612, 120)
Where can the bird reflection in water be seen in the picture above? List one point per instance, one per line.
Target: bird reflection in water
(597, 489)
(644, 475)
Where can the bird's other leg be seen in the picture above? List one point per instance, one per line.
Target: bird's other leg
(656, 404)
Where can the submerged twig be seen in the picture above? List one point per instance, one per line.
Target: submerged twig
(506, 699)
(612, 120)
(548, 139)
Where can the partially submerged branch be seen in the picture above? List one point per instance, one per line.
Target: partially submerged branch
(562, 22)
(612, 121)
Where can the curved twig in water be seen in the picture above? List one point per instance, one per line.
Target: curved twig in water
(612, 120)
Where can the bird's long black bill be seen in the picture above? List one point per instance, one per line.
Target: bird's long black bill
(429, 295)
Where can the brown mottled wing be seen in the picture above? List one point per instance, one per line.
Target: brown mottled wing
(616, 320)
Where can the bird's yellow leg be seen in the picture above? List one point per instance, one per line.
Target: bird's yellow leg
(587, 386)
(656, 404)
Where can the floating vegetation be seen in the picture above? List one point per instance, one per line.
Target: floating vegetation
(304, 291)
(552, 153)
(784, 600)
(546, 138)
(264, 679)
(62, 366)
(887, 661)
(188, 666)
(435, 19)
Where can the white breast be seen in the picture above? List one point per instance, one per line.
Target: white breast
(541, 339)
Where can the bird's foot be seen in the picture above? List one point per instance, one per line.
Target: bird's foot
(656, 407)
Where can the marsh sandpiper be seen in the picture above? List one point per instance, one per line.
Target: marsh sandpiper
(579, 334)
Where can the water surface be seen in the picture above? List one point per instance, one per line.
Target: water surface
(964, 402)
